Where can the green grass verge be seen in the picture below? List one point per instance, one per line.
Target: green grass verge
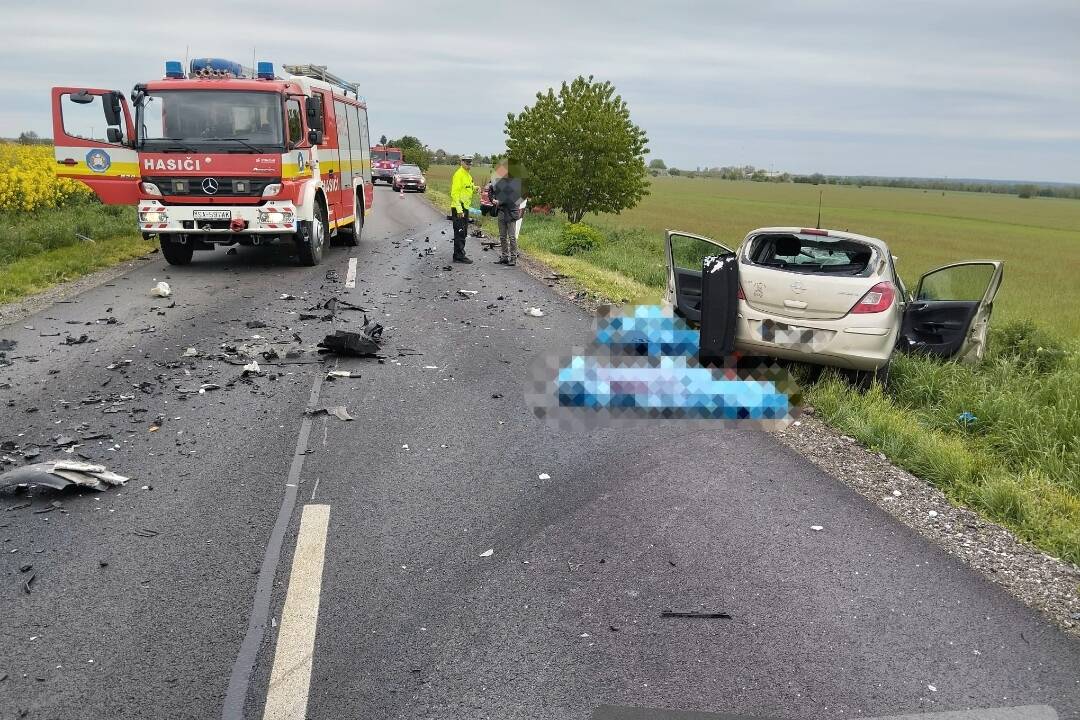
(1017, 464)
(43, 249)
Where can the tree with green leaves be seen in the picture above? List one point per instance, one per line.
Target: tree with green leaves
(657, 164)
(383, 140)
(581, 151)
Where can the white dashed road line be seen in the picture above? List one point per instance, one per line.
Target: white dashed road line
(290, 679)
(350, 277)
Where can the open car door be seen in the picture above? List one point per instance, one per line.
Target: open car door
(949, 315)
(685, 254)
(94, 139)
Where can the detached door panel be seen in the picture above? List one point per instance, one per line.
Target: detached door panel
(950, 313)
(92, 135)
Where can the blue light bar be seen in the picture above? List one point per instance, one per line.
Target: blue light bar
(173, 69)
(265, 70)
(218, 68)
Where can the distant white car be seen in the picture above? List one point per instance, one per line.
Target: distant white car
(834, 298)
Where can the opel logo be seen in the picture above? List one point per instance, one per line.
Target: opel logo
(210, 186)
(797, 287)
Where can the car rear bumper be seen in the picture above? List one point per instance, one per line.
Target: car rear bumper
(171, 219)
(846, 343)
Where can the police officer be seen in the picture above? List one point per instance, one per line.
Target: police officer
(462, 189)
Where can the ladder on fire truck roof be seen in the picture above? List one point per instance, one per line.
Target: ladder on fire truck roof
(319, 72)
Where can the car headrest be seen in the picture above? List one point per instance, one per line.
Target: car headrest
(787, 246)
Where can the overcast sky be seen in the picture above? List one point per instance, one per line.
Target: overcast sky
(957, 88)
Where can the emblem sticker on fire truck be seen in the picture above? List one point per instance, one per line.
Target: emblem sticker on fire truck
(300, 160)
(98, 160)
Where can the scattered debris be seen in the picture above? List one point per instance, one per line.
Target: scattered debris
(488, 553)
(335, 374)
(6, 345)
(467, 293)
(287, 296)
(161, 290)
(72, 340)
(966, 418)
(816, 528)
(252, 368)
(29, 580)
(700, 614)
(543, 476)
(255, 324)
(157, 423)
(355, 344)
(143, 532)
(496, 396)
(61, 474)
(337, 411)
(191, 352)
(535, 312)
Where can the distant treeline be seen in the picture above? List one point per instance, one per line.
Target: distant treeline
(753, 174)
(1024, 190)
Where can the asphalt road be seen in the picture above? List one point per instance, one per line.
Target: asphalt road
(409, 614)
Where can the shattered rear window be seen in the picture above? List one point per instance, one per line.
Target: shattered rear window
(814, 254)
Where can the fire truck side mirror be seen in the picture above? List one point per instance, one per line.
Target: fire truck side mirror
(314, 107)
(111, 105)
(315, 137)
(115, 135)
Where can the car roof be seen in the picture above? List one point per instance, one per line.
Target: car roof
(876, 242)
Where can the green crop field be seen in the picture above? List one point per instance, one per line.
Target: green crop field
(1038, 238)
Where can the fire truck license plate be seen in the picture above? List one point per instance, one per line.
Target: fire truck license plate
(212, 214)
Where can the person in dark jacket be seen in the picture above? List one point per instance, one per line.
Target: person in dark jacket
(506, 194)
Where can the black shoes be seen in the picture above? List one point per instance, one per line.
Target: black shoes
(463, 260)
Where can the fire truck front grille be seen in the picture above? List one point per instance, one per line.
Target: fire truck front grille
(212, 186)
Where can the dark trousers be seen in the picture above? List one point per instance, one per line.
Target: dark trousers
(461, 230)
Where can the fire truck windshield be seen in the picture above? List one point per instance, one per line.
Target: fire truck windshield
(394, 155)
(211, 120)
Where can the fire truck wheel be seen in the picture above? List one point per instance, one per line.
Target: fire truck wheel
(311, 239)
(175, 253)
(349, 236)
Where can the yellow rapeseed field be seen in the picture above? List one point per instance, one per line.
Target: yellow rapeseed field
(28, 180)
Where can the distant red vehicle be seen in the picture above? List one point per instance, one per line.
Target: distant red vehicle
(384, 162)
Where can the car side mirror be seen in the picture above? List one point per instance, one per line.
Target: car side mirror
(314, 109)
(114, 135)
(81, 98)
(315, 137)
(110, 103)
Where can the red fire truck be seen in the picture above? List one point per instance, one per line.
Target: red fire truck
(384, 161)
(222, 155)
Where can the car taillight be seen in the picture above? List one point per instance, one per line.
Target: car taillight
(878, 299)
(740, 294)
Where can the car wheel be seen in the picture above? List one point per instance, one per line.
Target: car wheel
(175, 253)
(311, 239)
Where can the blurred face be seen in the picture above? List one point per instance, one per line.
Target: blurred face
(500, 171)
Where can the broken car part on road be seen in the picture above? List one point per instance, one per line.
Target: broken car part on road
(60, 475)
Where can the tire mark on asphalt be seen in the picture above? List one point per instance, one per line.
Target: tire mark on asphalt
(240, 678)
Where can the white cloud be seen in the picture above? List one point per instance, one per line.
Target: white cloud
(996, 77)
